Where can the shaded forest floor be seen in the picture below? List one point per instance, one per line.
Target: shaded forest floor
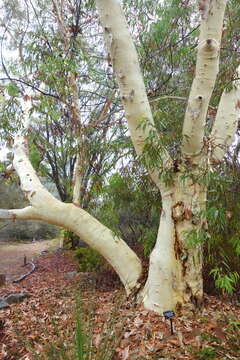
(44, 324)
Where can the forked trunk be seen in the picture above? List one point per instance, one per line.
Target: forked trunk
(175, 269)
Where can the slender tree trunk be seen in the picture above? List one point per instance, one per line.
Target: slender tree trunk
(175, 269)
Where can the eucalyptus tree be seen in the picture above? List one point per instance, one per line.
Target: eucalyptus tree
(175, 268)
(166, 39)
(175, 271)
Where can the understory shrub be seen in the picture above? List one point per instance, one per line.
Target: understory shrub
(88, 259)
(70, 240)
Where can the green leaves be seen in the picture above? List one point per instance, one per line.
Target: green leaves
(195, 237)
(235, 241)
(130, 207)
(225, 282)
(34, 156)
(154, 147)
(216, 218)
(12, 89)
(89, 259)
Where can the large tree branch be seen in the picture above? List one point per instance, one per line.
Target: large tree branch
(226, 121)
(205, 76)
(126, 67)
(45, 207)
(30, 183)
(26, 213)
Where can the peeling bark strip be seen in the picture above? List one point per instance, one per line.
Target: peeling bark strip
(178, 211)
(2, 279)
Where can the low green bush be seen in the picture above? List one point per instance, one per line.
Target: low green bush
(89, 259)
(70, 240)
(206, 354)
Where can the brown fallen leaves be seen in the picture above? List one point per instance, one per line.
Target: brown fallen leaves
(49, 315)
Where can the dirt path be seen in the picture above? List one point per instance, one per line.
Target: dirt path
(12, 255)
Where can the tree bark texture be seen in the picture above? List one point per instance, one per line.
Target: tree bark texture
(175, 269)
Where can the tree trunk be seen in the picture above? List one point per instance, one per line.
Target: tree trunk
(175, 269)
(2, 279)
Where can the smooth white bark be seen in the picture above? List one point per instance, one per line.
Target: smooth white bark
(175, 279)
(129, 77)
(205, 77)
(26, 213)
(90, 230)
(160, 291)
(226, 121)
(120, 46)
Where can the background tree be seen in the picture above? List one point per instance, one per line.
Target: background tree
(63, 73)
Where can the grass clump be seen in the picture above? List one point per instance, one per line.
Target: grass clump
(89, 340)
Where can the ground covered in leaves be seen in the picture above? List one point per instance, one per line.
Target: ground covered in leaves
(44, 325)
